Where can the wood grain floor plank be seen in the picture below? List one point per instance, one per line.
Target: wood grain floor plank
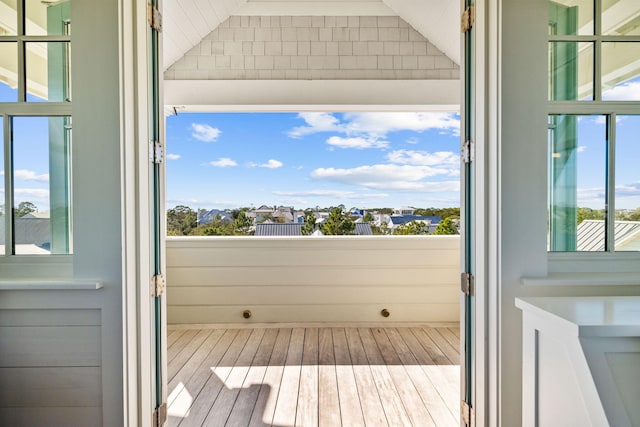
(350, 408)
(434, 352)
(411, 400)
(437, 336)
(183, 397)
(180, 343)
(246, 402)
(206, 398)
(173, 335)
(186, 352)
(267, 397)
(328, 399)
(452, 339)
(450, 392)
(372, 409)
(307, 411)
(285, 413)
(312, 377)
(226, 399)
(184, 374)
(391, 400)
(427, 390)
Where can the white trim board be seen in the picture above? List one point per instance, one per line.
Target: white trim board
(312, 95)
(314, 8)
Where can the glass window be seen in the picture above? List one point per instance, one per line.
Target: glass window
(41, 185)
(47, 66)
(621, 71)
(571, 17)
(577, 183)
(570, 71)
(46, 18)
(627, 189)
(8, 72)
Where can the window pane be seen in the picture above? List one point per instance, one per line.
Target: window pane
(570, 71)
(616, 16)
(3, 211)
(621, 71)
(627, 192)
(42, 183)
(48, 73)
(568, 17)
(8, 72)
(44, 18)
(577, 182)
(8, 19)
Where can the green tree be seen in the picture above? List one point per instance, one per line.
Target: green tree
(181, 221)
(368, 217)
(337, 223)
(632, 216)
(412, 228)
(217, 227)
(309, 225)
(242, 224)
(446, 226)
(588, 213)
(25, 208)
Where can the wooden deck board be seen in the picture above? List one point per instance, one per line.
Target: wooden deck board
(310, 377)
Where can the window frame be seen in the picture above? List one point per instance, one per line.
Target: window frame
(604, 261)
(23, 108)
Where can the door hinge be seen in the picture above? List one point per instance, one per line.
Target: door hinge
(157, 285)
(160, 415)
(154, 17)
(467, 414)
(468, 151)
(468, 284)
(156, 152)
(468, 18)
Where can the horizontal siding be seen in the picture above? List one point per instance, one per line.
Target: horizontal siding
(331, 279)
(50, 367)
(67, 386)
(300, 313)
(51, 416)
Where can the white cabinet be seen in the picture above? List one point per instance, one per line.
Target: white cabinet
(581, 361)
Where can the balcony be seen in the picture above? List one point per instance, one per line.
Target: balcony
(317, 348)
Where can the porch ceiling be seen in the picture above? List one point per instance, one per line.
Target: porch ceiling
(187, 22)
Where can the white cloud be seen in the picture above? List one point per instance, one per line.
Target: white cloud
(37, 193)
(251, 164)
(376, 125)
(334, 194)
(272, 164)
(390, 177)
(382, 123)
(582, 148)
(357, 142)
(223, 162)
(625, 92)
(424, 158)
(171, 156)
(203, 132)
(27, 175)
(316, 122)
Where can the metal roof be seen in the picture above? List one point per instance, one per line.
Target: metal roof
(591, 234)
(277, 229)
(403, 219)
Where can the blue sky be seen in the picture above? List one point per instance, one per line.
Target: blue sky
(226, 160)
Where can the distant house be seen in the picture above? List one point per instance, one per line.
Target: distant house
(405, 210)
(208, 216)
(591, 235)
(397, 220)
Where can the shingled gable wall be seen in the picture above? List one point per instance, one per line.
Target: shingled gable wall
(313, 47)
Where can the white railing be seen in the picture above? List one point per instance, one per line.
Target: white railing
(313, 279)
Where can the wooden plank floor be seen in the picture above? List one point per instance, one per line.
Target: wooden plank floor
(306, 377)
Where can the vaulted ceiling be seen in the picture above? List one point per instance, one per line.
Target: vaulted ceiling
(187, 22)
